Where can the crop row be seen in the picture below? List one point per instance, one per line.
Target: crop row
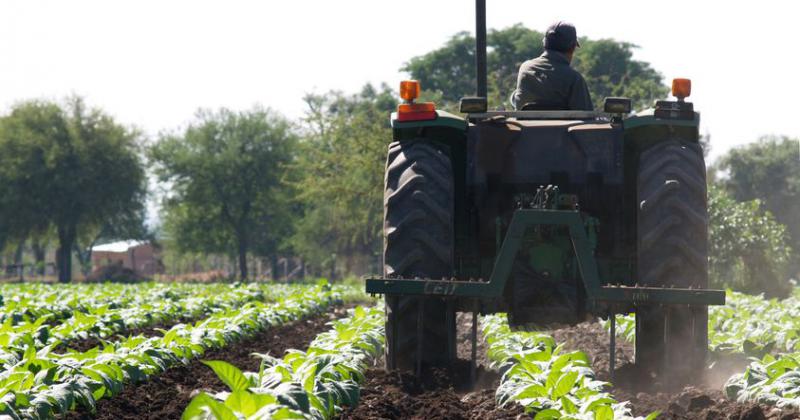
(142, 311)
(770, 380)
(746, 324)
(311, 384)
(41, 383)
(546, 381)
(27, 302)
(767, 331)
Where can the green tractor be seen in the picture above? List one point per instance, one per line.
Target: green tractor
(548, 216)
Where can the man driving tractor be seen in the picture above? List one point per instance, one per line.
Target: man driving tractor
(548, 82)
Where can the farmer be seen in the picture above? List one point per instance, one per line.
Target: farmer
(548, 82)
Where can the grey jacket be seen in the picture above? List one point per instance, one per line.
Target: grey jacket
(549, 82)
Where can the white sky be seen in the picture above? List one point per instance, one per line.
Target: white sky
(153, 63)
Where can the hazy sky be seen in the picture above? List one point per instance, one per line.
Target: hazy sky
(153, 63)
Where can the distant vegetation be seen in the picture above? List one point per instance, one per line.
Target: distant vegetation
(252, 185)
(607, 65)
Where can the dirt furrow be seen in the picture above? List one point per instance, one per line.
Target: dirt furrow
(441, 394)
(166, 395)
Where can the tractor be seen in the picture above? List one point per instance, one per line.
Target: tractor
(551, 216)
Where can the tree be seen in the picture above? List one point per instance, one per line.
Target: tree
(225, 170)
(607, 65)
(748, 249)
(768, 170)
(70, 167)
(339, 174)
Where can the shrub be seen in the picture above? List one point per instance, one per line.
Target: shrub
(748, 250)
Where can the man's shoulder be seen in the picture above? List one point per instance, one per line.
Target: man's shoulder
(531, 63)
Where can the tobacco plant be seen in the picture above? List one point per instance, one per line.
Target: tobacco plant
(545, 380)
(312, 384)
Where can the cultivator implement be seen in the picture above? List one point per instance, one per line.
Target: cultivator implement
(485, 296)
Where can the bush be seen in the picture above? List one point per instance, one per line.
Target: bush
(748, 250)
(114, 273)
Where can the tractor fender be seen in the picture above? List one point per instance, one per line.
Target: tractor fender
(446, 129)
(645, 130)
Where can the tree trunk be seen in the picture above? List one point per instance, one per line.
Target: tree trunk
(332, 275)
(243, 256)
(39, 254)
(273, 264)
(66, 237)
(84, 257)
(18, 260)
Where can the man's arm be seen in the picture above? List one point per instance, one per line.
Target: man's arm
(579, 98)
(517, 94)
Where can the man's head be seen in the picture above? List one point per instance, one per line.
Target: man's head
(562, 37)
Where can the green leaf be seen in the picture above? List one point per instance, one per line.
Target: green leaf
(565, 384)
(248, 403)
(568, 406)
(603, 412)
(653, 416)
(549, 414)
(202, 405)
(531, 391)
(285, 414)
(360, 312)
(229, 374)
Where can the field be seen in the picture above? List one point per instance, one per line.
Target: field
(260, 350)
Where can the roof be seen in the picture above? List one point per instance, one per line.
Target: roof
(120, 246)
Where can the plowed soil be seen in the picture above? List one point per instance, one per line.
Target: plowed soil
(447, 394)
(166, 395)
(704, 400)
(442, 394)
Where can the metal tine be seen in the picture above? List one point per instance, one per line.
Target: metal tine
(474, 355)
(451, 339)
(420, 317)
(612, 346)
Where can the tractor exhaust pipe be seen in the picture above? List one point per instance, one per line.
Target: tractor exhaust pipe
(480, 46)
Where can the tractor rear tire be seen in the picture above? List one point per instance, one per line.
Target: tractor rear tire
(418, 243)
(672, 341)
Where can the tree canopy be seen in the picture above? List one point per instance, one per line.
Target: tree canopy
(226, 170)
(748, 250)
(768, 170)
(70, 167)
(339, 173)
(607, 65)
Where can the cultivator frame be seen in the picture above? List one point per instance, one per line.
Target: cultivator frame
(480, 296)
(597, 294)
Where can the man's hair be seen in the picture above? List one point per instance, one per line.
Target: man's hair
(561, 36)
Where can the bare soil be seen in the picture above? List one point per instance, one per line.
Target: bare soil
(703, 400)
(165, 396)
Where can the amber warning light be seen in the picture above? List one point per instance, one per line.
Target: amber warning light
(681, 88)
(409, 90)
(409, 110)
